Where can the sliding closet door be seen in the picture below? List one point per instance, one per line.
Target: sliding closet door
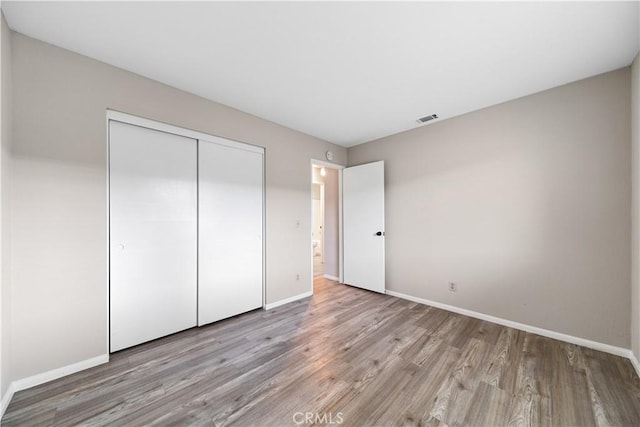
(153, 234)
(230, 231)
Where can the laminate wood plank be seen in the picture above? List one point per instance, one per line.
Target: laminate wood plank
(600, 415)
(293, 395)
(425, 348)
(373, 403)
(368, 370)
(529, 406)
(432, 318)
(460, 336)
(107, 405)
(242, 393)
(316, 359)
(421, 392)
(498, 361)
(488, 406)
(567, 388)
(453, 397)
(512, 345)
(175, 394)
(368, 365)
(39, 416)
(525, 408)
(488, 332)
(374, 359)
(619, 403)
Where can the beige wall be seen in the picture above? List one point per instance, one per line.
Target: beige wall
(59, 175)
(635, 212)
(5, 164)
(525, 205)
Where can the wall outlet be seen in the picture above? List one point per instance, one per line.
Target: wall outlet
(452, 287)
(297, 277)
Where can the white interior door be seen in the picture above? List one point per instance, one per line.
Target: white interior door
(153, 234)
(230, 231)
(363, 225)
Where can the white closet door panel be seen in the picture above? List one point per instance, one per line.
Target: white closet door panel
(153, 234)
(230, 231)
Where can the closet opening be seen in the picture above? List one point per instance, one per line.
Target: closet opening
(185, 217)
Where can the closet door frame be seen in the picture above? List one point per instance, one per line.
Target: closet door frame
(113, 115)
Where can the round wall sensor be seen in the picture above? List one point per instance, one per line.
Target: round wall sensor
(329, 155)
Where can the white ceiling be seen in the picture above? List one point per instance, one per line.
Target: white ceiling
(346, 72)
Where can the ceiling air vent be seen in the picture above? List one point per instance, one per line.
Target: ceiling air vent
(425, 119)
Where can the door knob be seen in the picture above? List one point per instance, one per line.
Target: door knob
(379, 233)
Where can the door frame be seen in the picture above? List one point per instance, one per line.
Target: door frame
(339, 168)
(177, 130)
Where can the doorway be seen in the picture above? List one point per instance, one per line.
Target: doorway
(317, 234)
(347, 216)
(325, 221)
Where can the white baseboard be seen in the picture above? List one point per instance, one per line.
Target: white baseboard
(618, 351)
(6, 398)
(288, 300)
(54, 374)
(329, 277)
(634, 362)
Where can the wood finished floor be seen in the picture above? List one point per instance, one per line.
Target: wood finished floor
(347, 355)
